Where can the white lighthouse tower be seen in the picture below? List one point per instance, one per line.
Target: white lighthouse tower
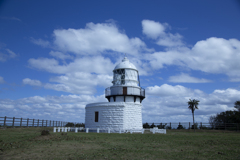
(123, 109)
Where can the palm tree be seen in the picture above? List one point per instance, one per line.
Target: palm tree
(192, 105)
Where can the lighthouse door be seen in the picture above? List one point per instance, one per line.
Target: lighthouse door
(124, 90)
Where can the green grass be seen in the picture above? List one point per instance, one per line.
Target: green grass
(27, 143)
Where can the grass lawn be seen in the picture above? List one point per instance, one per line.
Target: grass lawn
(27, 143)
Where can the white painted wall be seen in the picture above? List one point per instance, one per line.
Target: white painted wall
(114, 115)
(129, 99)
(119, 98)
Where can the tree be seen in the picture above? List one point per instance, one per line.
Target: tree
(220, 119)
(212, 121)
(69, 124)
(192, 105)
(237, 105)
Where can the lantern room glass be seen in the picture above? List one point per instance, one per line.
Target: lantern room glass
(126, 77)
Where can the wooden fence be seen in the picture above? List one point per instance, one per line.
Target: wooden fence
(27, 122)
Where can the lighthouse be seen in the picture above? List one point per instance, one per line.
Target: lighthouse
(123, 111)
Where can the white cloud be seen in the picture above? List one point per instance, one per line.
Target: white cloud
(96, 64)
(50, 107)
(79, 82)
(60, 55)
(80, 76)
(156, 30)
(169, 90)
(5, 56)
(90, 69)
(95, 39)
(76, 83)
(166, 102)
(185, 78)
(40, 42)
(31, 82)
(11, 53)
(170, 40)
(153, 29)
(1, 80)
(214, 55)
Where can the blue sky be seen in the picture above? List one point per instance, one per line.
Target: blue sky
(58, 56)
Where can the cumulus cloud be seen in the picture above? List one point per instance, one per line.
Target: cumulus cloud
(96, 64)
(157, 31)
(153, 29)
(170, 40)
(169, 90)
(50, 107)
(31, 82)
(76, 83)
(167, 102)
(185, 78)
(89, 68)
(213, 55)
(157, 107)
(95, 39)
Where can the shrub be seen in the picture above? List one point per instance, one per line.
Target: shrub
(45, 132)
(146, 125)
(180, 126)
(161, 126)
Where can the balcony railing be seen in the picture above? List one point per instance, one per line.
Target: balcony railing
(119, 91)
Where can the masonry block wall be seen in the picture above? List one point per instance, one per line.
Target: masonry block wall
(114, 115)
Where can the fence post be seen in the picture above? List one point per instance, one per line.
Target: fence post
(21, 123)
(33, 123)
(5, 119)
(13, 121)
(27, 122)
(38, 123)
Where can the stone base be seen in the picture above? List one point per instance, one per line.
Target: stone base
(114, 115)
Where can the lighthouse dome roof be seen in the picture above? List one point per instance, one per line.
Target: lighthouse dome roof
(125, 64)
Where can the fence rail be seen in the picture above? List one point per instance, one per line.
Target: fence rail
(27, 122)
(198, 125)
